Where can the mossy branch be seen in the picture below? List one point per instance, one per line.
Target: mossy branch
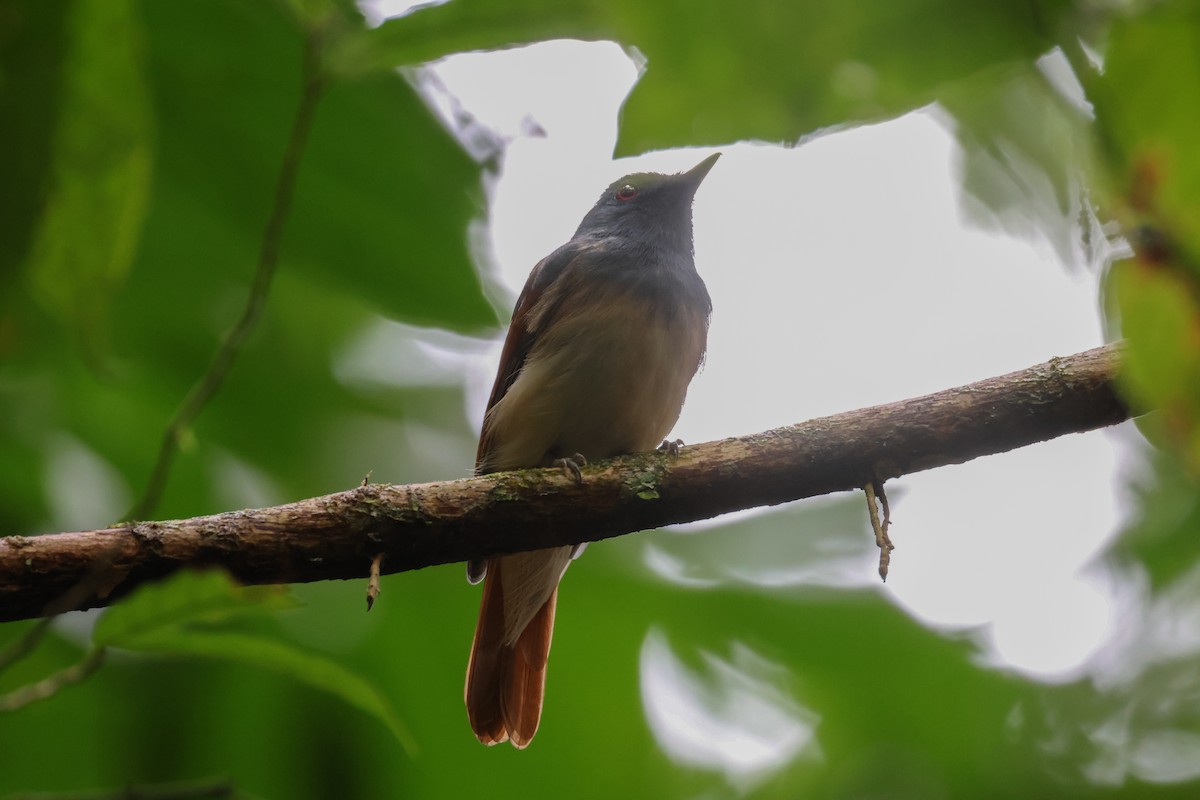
(414, 526)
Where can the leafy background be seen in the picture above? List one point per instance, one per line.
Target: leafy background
(139, 145)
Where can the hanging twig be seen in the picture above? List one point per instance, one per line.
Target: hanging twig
(874, 492)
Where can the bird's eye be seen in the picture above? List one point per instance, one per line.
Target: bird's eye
(627, 192)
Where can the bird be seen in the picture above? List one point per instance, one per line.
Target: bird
(604, 340)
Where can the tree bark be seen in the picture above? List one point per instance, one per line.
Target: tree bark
(414, 526)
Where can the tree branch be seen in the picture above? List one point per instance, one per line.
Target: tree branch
(414, 526)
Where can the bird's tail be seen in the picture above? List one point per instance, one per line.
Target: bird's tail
(505, 682)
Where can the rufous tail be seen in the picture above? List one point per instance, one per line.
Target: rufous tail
(505, 682)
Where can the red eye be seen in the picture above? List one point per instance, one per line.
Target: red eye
(627, 192)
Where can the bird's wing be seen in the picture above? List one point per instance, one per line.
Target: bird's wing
(523, 333)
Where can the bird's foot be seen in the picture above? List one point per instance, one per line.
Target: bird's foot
(571, 466)
(671, 448)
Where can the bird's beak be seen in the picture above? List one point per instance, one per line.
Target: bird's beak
(695, 175)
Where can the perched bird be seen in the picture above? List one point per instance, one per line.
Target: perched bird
(604, 340)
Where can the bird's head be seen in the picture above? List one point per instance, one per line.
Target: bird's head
(648, 207)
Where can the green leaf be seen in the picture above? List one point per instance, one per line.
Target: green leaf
(102, 157)
(187, 597)
(308, 668)
(384, 194)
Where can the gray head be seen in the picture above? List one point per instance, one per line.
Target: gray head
(649, 207)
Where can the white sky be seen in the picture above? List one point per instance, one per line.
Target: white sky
(842, 276)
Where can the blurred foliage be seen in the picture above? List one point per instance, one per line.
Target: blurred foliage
(1148, 127)
(1025, 149)
(768, 71)
(139, 145)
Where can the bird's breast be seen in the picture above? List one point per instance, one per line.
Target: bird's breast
(608, 375)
